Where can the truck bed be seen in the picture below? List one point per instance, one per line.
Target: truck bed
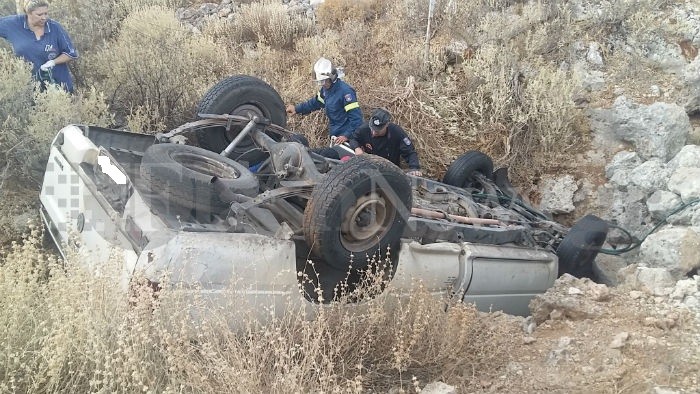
(127, 148)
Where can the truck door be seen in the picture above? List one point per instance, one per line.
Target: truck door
(439, 267)
(507, 277)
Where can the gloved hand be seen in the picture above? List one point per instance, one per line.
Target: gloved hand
(340, 139)
(414, 173)
(48, 65)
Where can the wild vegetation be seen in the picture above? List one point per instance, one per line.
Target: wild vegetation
(65, 329)
(507, 90)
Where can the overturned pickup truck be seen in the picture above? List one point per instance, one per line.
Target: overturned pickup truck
(199, 215)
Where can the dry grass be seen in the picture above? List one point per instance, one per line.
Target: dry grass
(68, 330)
(266, 23)
(269, 23)
(334, 13)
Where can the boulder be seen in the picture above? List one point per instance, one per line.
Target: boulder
(689, 156)
(661, 203)
(654, 281)
(694, 136)
(650, 176)
(672, 248)
(666, 55)
(656, 130)
(686, 288)
(692, 86)
(438, 388)
(617, 170)
(687, 216)
(591, 80)
(593, 56)
(628, 210)
(558, 194)
(606, 267)
(561, 302)
(686, 183)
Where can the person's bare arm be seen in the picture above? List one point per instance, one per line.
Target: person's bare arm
(63, 58)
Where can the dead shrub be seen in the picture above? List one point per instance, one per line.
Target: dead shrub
(71, 330)
(525, 110)
(157, 68)
(268, 23)
(332, 14)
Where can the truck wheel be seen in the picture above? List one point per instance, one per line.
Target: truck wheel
(184, 175)
(359, 210)
(461, 172)
(581, 245)
(244, 96)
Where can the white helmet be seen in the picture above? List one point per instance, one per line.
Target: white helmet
(323, 69)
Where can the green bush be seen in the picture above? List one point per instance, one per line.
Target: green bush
(15, 85)
(8, 7)
(29, 119)
(156, 68)
(91, 24)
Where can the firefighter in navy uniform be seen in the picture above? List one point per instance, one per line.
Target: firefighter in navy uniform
(382, 138)
(337, 98)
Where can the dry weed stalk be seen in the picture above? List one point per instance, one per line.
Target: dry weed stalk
(70, 329)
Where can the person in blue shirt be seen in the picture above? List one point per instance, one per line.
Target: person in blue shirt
(41, 41)
(337, 98)
(382, 138)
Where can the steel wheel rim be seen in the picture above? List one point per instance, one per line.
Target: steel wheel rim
(367, 221)
(205, 165)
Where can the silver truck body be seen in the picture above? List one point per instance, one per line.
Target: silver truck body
(94, 203)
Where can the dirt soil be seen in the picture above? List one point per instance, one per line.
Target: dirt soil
(588, 338)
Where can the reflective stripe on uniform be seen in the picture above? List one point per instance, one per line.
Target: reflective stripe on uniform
(320, 99)
(352, 106)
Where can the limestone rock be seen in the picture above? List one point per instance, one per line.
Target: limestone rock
(672, 248)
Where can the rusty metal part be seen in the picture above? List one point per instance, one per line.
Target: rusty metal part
(459, 219)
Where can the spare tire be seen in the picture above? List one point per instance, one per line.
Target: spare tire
(184, 175)
(241, 95)
(357, 211)
(461, 172)
(581, 245)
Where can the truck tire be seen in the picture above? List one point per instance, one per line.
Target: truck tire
(461, 172)
(359, 210)
(184, 175)
(241, 95)
(581, 245)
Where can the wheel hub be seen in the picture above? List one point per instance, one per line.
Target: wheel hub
(247, 111)
(365, 222)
